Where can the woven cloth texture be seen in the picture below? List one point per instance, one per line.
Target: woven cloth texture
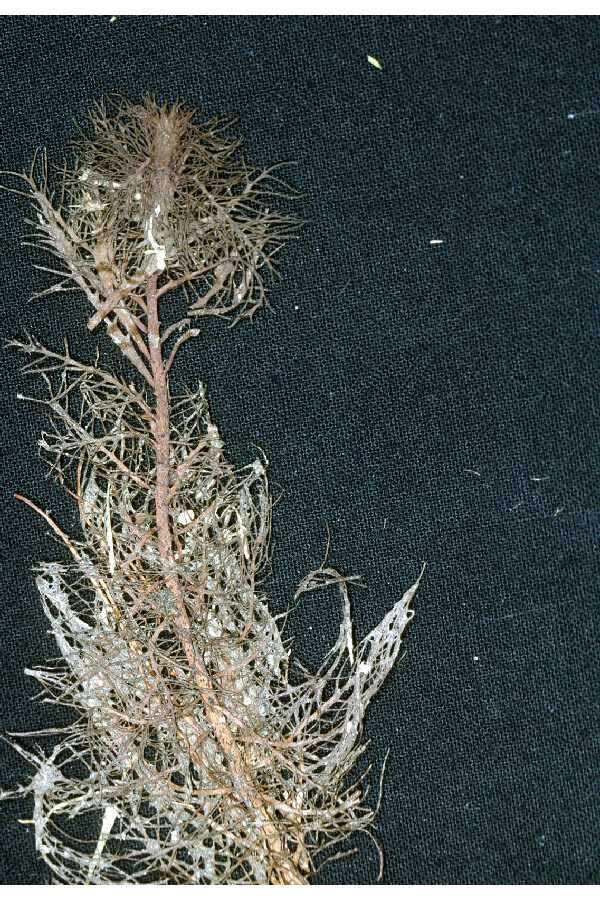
(425, 388)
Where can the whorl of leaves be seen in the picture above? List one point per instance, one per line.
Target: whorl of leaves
(152, 191)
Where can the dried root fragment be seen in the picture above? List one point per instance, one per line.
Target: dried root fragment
(199, 753)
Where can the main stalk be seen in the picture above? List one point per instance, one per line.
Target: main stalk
(281, 868)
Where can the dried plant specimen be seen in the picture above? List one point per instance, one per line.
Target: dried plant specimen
(199, 752)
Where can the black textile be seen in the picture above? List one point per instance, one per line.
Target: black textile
(426, 386)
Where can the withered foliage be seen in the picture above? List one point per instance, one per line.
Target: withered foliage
(198, 751)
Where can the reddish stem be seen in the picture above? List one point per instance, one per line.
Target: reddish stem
(282, 869)
(162, 440)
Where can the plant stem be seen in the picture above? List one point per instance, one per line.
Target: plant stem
(162, 440)
(281, 868)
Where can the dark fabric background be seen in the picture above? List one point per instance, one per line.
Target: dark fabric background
(425, 401)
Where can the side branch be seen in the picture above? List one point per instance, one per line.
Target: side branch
(103, 592)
